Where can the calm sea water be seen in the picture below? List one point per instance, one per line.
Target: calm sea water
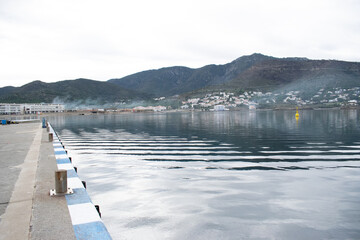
(221, 175)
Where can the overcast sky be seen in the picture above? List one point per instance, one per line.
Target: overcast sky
(52, 40)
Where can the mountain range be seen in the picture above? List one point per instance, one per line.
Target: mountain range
(69, 91)
(255, 72)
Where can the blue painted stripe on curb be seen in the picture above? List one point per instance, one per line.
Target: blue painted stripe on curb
(72, 173)
(79, 196)
(63, 160)
(94, 230)
(60, 152)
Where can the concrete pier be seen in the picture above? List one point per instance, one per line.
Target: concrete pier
(27, 166)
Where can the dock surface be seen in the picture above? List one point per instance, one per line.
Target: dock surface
(27, 166)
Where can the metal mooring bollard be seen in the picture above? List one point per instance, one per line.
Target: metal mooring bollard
(61, 181)
(43, 123)
(51, 137)
(60, 184)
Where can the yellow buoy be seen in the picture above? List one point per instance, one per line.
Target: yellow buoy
(297, 113)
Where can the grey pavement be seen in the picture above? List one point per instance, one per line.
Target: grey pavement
(27, 165)
(15, 141)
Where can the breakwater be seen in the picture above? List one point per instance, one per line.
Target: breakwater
(85, 217)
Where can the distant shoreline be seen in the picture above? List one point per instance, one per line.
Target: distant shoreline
(89, 113)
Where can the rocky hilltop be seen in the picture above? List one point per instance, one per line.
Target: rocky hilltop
(255, 72)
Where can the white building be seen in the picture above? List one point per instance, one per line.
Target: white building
(149, 108)
(6, 108)
(159, 108)
(252, 106)
(352, 102)
(219, 108)
(30, 108)
(42, 108)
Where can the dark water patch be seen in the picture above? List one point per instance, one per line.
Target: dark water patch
(249, 160)
(296, 168)
(211, 168)
(262, 168)
(345, 167)
(175, 167)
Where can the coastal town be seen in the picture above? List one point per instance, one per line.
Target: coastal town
(216, 101)
(336, 97)
(224, 100)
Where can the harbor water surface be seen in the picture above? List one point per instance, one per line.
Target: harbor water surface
(220, 175)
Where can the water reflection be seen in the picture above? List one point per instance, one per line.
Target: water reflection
(226, 175)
